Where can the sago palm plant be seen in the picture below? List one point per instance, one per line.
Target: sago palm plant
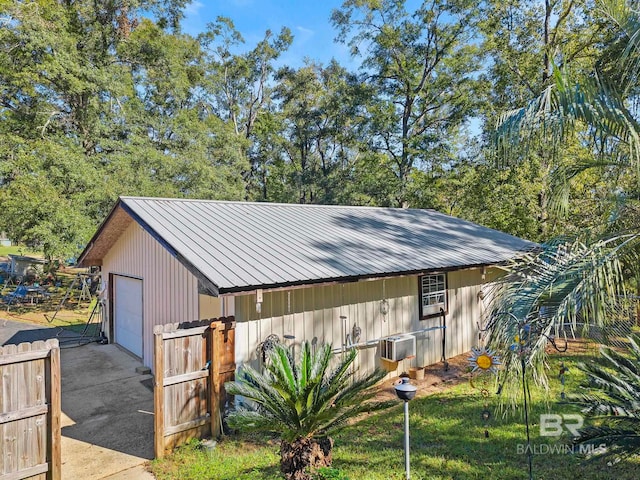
(614, 401)
(303, 402)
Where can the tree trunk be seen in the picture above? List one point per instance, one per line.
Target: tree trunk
(297, 457)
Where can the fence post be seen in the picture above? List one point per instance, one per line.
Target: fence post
(158, 392)
(214, 373)
(54, 452)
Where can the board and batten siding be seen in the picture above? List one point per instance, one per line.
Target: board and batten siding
(169, 290)
(314, 313)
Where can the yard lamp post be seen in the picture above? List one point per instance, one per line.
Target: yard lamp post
(406, 392)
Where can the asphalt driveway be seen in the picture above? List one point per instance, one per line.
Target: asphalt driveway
(107, 408)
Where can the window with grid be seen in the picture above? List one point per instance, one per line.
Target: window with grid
(433, 294)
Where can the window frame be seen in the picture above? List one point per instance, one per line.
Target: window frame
(434, 309)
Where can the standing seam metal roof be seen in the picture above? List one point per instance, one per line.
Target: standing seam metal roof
(240, 245)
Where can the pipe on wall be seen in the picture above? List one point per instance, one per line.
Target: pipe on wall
(370, 343)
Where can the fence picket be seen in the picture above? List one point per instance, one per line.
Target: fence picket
(186, 402)
(30, 411)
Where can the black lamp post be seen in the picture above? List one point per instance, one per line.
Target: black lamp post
(406, 392)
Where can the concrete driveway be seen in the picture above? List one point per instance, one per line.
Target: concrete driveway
(107, 419)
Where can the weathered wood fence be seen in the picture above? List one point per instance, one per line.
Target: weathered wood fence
(30, 411)
(191, 363)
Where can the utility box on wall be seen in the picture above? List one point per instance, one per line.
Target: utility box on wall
(397, 347)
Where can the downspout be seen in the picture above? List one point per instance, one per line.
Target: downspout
(443, 324)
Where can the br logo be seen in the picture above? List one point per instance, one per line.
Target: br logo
(552, 425)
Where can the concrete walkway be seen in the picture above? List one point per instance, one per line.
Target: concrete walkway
(107, 408)
(107, 426)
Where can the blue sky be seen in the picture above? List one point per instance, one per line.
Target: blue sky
(309, 22)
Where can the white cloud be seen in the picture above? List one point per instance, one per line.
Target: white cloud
(305, 31)
(193, 8)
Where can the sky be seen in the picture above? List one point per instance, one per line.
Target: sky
(309, 21)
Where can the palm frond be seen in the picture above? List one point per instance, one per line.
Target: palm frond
(303, 398)
(592, 102)
(548, 291)
(566, 172)
(625, 17)
(612, 401)
(616, 441)
(600, 107)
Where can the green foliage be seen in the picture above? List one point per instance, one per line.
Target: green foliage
(528, 44)
(101, 100)
(596, 107)
(420, 67)
(592, 106)
(321, 118)
(302, 399)
(96, 102)
(504, 199)
(613, 401)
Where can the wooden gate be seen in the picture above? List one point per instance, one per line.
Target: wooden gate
(191, 363)
(30, 411)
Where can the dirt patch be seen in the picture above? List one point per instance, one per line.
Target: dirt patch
(436, 378)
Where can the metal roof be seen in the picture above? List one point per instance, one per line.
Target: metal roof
(238, 246)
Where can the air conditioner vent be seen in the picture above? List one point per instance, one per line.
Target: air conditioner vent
(397, 347)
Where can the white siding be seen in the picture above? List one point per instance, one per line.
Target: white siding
(170, 291)
(314, 312)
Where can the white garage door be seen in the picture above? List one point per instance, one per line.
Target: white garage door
(127, 314)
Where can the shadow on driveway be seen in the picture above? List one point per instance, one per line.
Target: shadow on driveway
(15, 332)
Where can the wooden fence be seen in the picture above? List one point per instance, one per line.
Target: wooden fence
(191, 363)
(30, 411)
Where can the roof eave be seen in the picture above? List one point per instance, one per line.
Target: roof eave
(206, 283)
(81, 262)
(350, 279)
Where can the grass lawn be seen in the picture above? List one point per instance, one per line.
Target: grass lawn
(18, 250)
(447, 442)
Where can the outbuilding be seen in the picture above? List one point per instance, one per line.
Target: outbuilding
(361, 277)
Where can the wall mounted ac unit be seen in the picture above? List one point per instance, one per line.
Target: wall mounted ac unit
(397, 347)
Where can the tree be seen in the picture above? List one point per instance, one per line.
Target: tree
(421, 69)
(525, 42)
(551, 287)
(597, 108)
(96, 101)
(303, 402)
(505, 199)
(322, 116)
(172, 143)
(238, 86)
(53, 77)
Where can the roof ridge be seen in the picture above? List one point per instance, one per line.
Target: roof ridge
(280, 204)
